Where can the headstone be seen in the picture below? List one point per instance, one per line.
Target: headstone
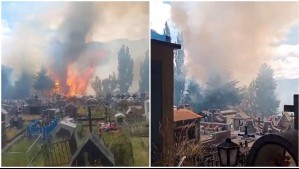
(93, 153)
(71, 110)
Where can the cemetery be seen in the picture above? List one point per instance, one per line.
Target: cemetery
(84, 132)
(214, 136)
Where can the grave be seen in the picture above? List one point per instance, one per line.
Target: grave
(93, 153)
(251, 128)
(274, 149)
(269, 127)
(71, 110)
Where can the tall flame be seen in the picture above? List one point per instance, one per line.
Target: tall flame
(78, 82)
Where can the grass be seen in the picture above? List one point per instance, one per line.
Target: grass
(140, 150)
(16, 154)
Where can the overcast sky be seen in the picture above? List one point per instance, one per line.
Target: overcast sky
(272, 35)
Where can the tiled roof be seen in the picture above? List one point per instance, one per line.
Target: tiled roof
(184, 114)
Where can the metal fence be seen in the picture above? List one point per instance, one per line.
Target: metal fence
(210, 159)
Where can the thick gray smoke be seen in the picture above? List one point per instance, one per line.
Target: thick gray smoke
(79, 19)
(231, 36)
(69, 38)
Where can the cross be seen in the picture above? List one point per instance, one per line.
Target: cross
(293, 108)
(90, 119)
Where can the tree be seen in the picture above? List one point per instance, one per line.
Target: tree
(179, 72)
(97, 86)
(221, 92)
(166, 30)
(43, 81)
(267, 103)
(107, 86)
(23, 86)
(125, 69)
(144, 74)
(196, 95)
(249, 103)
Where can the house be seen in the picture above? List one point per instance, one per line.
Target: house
(187, 125)
(93, 153)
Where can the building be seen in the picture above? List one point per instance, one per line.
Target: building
(187, 125)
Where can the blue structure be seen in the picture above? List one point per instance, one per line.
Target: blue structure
(36, 128)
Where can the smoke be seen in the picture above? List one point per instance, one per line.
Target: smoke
(65, 36)
(231, 36)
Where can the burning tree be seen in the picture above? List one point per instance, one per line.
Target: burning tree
(43, 81)
(125, 69)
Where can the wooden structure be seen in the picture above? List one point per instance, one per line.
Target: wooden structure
(71, 110)
(93, 153)
(294, 108)
(162, 133)
(187, 125)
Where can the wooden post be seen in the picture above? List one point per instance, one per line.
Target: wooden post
(89, 119)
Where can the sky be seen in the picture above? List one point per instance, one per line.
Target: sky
(32, 31)
(239, 36)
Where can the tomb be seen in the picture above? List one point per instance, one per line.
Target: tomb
(251, 128)
(239, 120)
(93, 153)
(71, 110)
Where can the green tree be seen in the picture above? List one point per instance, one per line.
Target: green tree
(97, 86)
(144, 74)
(23, 86)
(179, 72)
(109, 84)
(42, 81)
(196, 96)
(265, 84)
(166, 30)
(221, 92)
(249, 103)
(125, 69)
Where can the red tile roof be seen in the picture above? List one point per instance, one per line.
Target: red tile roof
(184, 114)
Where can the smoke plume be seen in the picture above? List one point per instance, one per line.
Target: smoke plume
(232, 36)
(68, 38)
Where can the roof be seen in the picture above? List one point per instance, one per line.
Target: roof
(70, 105)
(184, 114)
(94, 146)
(241, 115)
(228, 112)
(162, 39)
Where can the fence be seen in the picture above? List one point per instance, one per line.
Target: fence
(56, 154)
(22, 152)
(211, 158)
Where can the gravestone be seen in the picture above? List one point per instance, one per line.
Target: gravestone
(71, 110)
(93, 153)
(251, 128)
(274, 150)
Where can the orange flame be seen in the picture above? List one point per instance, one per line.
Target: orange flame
(78, 82)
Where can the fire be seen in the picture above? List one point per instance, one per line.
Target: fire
(78, 82)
